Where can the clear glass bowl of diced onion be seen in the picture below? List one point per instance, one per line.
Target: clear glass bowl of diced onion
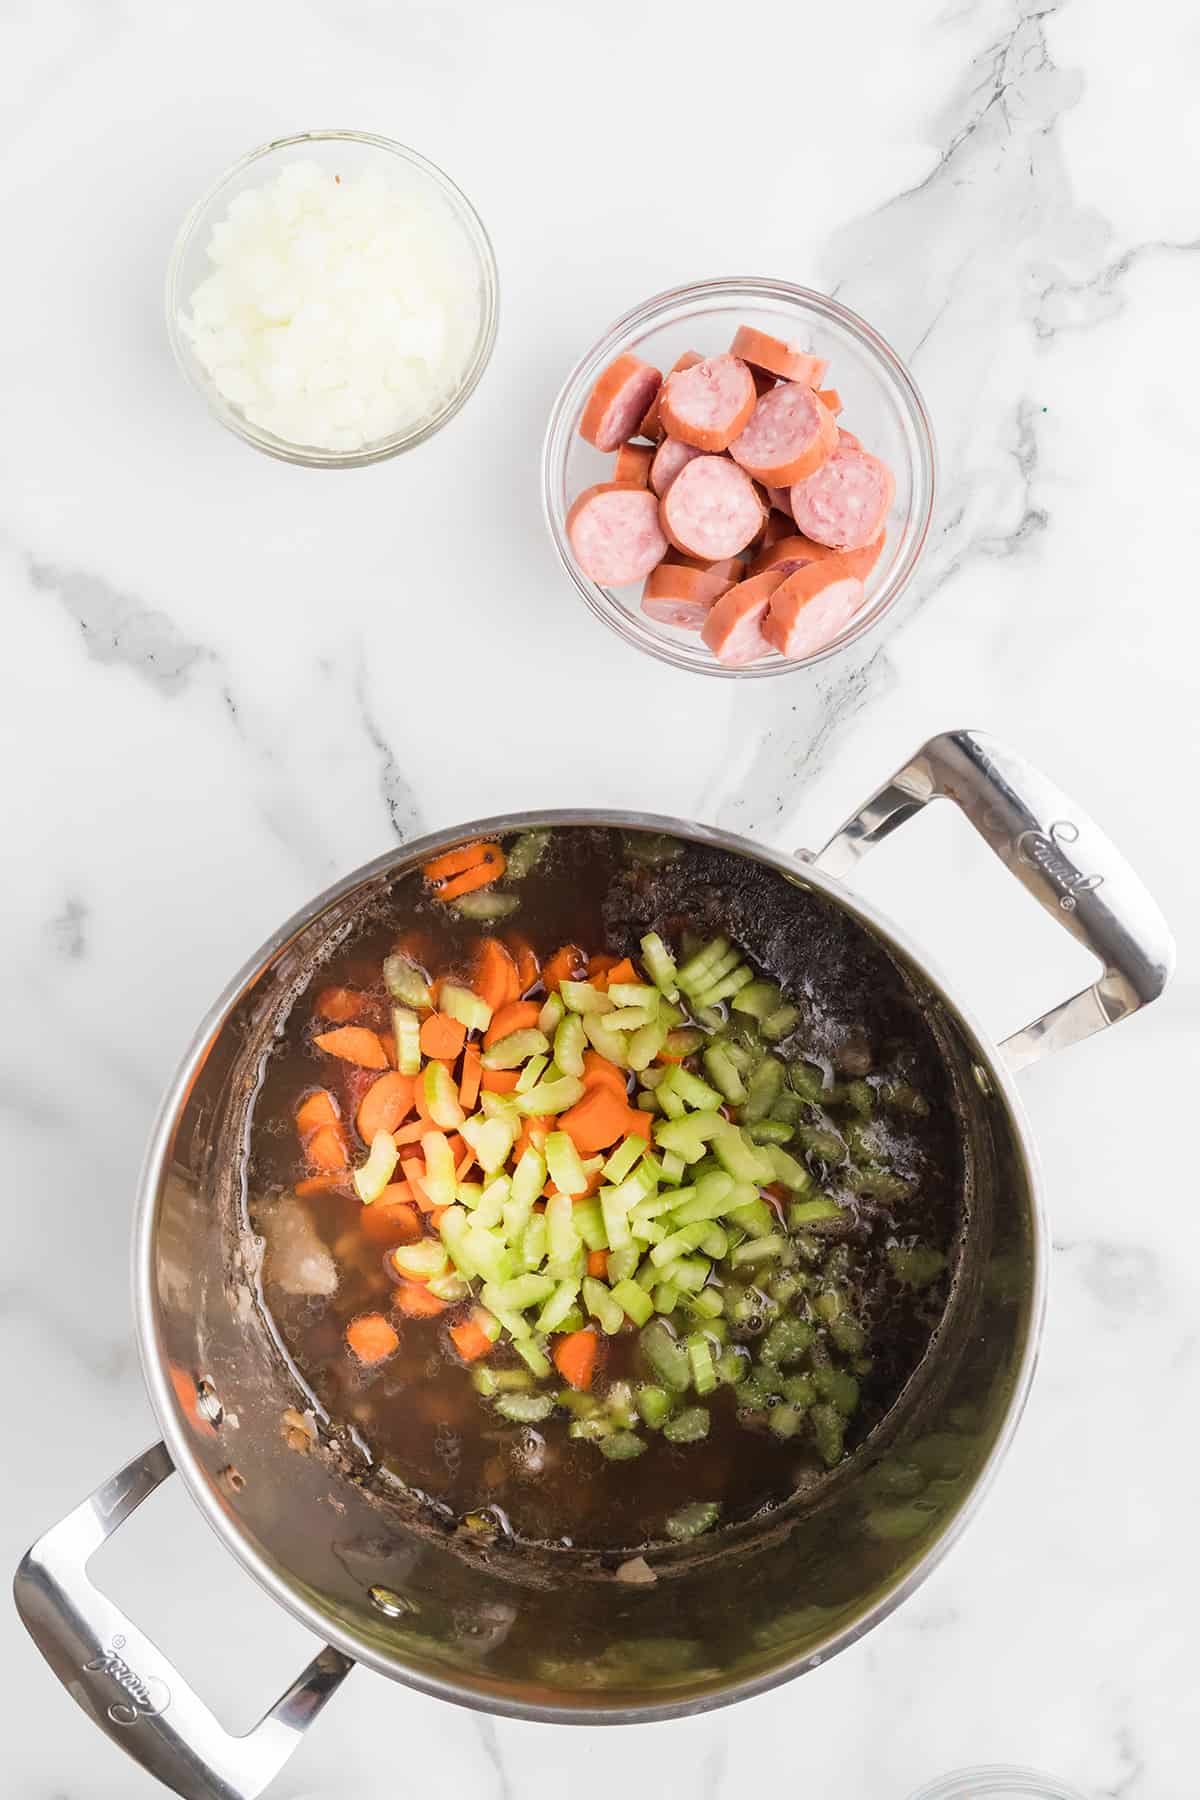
(259, 328)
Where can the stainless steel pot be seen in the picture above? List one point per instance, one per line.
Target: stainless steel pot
(523, 1635)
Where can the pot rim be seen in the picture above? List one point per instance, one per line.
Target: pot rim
(153, 1360)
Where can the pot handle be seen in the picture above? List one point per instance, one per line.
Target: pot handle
(1055, 851)
(125, 1684)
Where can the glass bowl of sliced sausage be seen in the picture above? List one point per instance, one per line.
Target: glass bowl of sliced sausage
(739, 477)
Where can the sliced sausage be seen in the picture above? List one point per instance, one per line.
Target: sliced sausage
(677, 595)
(762, 381)
(777, 527)
(831, 398)
(669, 458)
(617, 402)
(707, 404)
(845, 503)
(791, 553)
(781, 499)
(632, 467)
(731, 567)
(788, 361)
(789, 436)
(733, 629)
(615, 533)
(810, 608)
(847, 440)
(651, 425)
(711, 509)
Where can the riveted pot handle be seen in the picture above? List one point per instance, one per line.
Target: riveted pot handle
(125, 1684)
(1055, 852)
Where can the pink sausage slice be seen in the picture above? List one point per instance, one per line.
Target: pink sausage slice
(787, 361)
(677, 595)
(711, 509)
(781, 499)
(791, 553)
(671, 456)
(830, 398)
(789, 436)
(733, 629)
(617, 402)
(615, 533)
(632, 465)
(845, 502)
(651, 425)
(810, 608)
(708, 404)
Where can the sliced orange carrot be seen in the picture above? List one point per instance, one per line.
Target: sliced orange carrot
(442, 1037)
(598, 1071)
(575, 1357)
(371, 1337)
(519, 1015)
(327, 1149)
(414, 1174)
(568, 964)
(597, 1262)
(387, 1039)
(533, 1136)
(499, 1081)
(453, 862)
(470, 1339)
(595, 1182)
(529, 969)
(598, 971)
(463, 1164)
(412, 1133)
(392, 1219)
(495, 974)
(489, 867)
(316, 1109)
(355, 1044)
(340, 1004)
(623, 971)
(596, 1121)
(468, 1087)
(385, 1105)
(415, 1301)
(436, 1216)
(337, 1181)
(637, 1124)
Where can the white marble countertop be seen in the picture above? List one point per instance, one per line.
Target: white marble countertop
(222, 690)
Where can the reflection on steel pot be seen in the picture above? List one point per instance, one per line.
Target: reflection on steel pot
(468, 1619)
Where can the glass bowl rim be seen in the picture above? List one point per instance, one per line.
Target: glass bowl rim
(297, 454)
(1002, 1781)
(643, 317)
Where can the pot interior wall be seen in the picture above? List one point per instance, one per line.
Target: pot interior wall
(555, 1630)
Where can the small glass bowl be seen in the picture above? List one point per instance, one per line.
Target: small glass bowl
(881, 405)
(348, 153)
(997, 1783)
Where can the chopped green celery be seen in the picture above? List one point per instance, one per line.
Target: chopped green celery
(688, 1272)
(769, 1131)
(373, 1176)
(492, 1202)
(558, 1306)
(666, 1297)
(589, 1223)
(785, 1421)
(647, 1102)
(406, 1029)
(524, 1409)
(405, 982)
(709, 1303)
(666, 1356)
(650, 1078)
(656, 1204)
(684, 1040)
(902, 1097)
(715, 1243)
(776, 1025)
(787, 1340)
(441, 1096)
(917, 1267)
(439, 1182)
(739, 1157)
(622, 1160)
(722, 1073)
(535, 1358)
(668, 1101)
(501, 1106)
(757, 999)
(551, 1014)
(787, 1109)
(532, 1073)
(562, 1237)
(647, 1231)
(464, 1005)
(627, 1018)
(733, 1365)
(782, 1287)
(566, 1170)
(880, 1184)
(647, 1275)
(568, 1268)
(621, 1446)
(486, 904)
(526, 852)
(828, 1304)
(654, 1405)
(822, 1143)
(511, 1051)
(828, 1432)
(484, 1381)
(615, 1212)
(709, 1199)
(551, 1096)
(645, 1044)
(569, 1040)
(671, 1167)
(678, 1244)
(490, 1139)
(688, 1426)
(860, 1097)
(450, 1286)
(838, 1387)
(582, 997)
(574, 1320)
(790, 1173)
(688, 1137)
(488, 1255)
(763, 1089)
(763, 1249)
(755, 1218)
(620, 1404)
(728, 986)
(529, 1176)
(634, 1300)
(693, 1520)
(579, 1405)
(807, 1212)
(420, 1260)
(600, 1303)
(516, 1295)
(710, 1017)
(700, 1356)
(808, 1081)
(452, 1228)
(696, 971)
(799, 1390)
(468, 1193)
(594, 1429)
(533, 1242)
(848, 1335)
(622, 1263)
(635, 994)
(660, 964)
(738, 1054)
(670, 1015)
(691, 1090)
